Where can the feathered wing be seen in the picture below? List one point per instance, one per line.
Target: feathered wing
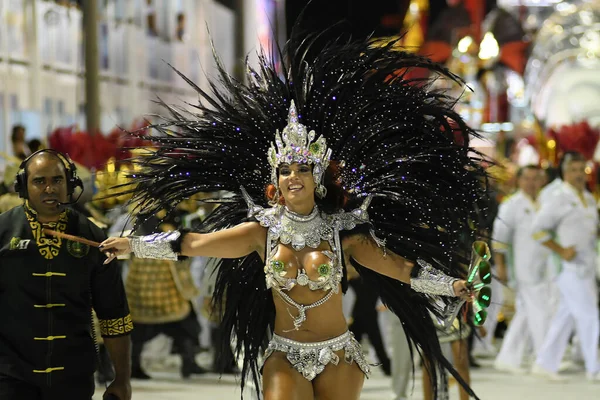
(414, 311)
(248, 311)
(398, 139)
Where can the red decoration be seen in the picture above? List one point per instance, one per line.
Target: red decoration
(580, 137)
(93, 151)
(514, 55)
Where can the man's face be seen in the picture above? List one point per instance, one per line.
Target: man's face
(530, 181)
(20, 137)
(46, 184)
(574, 174)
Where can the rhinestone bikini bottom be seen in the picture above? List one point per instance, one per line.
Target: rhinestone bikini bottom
(310, 359)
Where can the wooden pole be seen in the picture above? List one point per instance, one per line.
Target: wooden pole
(92, 67)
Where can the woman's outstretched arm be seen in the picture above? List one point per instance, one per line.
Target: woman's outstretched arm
(235, 242)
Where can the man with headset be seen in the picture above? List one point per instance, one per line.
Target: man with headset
(48, 287)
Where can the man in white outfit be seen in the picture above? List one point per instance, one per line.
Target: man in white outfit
(513, 236)
(554, 267)
(553, 263)
(567, 224)
(546, 191)
(553, 260)
(402, 366)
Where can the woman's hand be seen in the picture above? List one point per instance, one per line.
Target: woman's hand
(568, 253)
(115, 246)
(461, 290)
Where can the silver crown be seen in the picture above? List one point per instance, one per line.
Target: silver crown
(296, 145)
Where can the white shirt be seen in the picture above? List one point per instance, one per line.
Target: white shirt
(548, 190)
(572, 218)
(513, 235)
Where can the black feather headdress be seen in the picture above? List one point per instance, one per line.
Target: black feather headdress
(396, 138)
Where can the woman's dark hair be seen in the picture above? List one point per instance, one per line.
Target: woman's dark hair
(336, 197)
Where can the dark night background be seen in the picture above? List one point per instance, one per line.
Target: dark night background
(381, 17)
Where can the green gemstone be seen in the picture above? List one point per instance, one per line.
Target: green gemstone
(314, 148)
(277, 265)
(324, 269)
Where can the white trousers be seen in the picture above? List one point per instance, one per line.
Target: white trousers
(529, 324)
(578, 310)
(401, 358)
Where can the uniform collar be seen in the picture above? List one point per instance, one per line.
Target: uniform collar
(579, 194)
(48, 246)
(32, 214)
(534, 202)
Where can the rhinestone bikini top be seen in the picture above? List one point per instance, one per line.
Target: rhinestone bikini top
(330, 275)
(287, 227)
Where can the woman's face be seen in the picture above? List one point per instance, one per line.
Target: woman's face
(296, 182)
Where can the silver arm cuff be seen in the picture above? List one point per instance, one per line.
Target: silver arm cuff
(432, 281)
(156, 246)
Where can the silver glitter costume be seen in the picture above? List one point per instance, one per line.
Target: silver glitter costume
(310, 359)
(432, 281)
(156, 246)
(450, 332)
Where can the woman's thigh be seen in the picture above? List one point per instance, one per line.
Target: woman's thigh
(342, 381)
(460, 353)
(282, 382)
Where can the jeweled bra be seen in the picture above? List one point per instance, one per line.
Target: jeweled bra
(300, 231)
(330, 274)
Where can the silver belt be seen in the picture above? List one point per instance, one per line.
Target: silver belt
(311, 358)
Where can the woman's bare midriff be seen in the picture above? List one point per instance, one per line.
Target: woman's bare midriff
(322, 323)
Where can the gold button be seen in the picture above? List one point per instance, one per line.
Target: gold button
(48, 305)
(48, 370)
(49, 338)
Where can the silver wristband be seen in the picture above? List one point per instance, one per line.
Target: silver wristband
(432, 281)
(157, 245)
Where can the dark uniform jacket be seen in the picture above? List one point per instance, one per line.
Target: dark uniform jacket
(48, 287)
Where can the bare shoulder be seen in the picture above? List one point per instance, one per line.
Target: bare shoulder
(256, 231)
(246, 228)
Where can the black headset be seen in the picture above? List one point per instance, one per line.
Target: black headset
(73, 180)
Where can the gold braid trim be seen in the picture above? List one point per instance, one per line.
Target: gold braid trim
(49, 247)
(541, 234)
(116, 326)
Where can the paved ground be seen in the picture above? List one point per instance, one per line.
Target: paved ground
(488, 384)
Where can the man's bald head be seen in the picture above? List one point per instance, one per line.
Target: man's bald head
(46, 185)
